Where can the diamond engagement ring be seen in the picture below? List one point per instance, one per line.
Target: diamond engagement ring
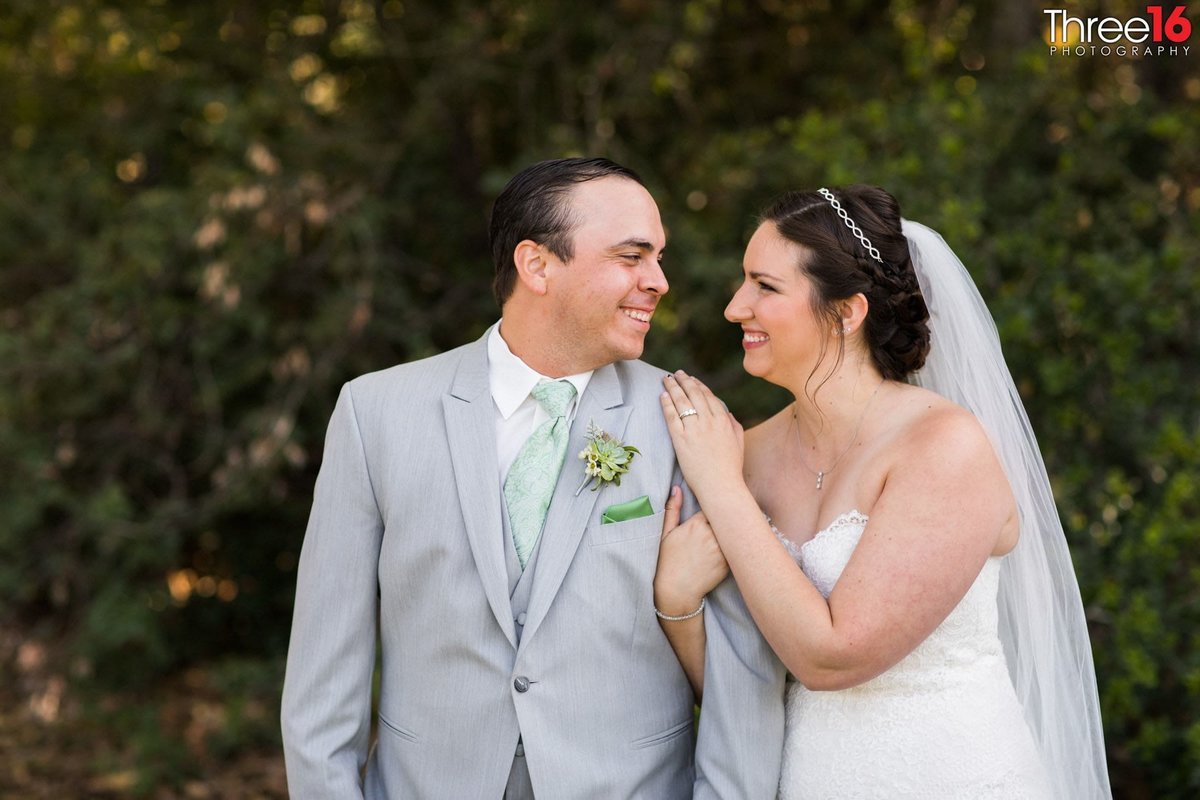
(687, 412)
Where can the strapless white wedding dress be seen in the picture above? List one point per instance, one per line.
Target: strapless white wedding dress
(942, 723)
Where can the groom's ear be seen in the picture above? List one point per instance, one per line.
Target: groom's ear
(854, 312)
(530, 260)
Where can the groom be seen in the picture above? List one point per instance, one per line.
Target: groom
(521, 655)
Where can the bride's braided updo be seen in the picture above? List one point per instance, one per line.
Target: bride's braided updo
(896, 329)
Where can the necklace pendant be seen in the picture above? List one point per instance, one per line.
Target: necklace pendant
(820, 479)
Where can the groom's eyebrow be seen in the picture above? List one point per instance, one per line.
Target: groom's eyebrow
(640, 244)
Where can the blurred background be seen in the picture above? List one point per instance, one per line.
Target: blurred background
(212, 214)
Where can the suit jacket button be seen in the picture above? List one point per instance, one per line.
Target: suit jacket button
(521, 684)
(521, 619)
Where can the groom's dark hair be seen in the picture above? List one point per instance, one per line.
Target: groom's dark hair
(534, 206)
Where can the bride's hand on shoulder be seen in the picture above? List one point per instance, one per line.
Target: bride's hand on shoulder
(708, 439)
(690, 562)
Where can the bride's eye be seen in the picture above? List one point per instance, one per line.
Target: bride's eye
(766, 287)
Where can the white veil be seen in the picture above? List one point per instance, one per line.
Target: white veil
(1042, 622)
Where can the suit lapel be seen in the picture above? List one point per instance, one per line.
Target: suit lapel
(471, 432)
(569, 512)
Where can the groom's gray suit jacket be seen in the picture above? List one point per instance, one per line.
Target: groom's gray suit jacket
(406, 538)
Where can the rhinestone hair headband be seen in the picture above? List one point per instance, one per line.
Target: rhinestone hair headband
(857, 231)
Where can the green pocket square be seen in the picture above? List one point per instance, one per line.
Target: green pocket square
(622, 512)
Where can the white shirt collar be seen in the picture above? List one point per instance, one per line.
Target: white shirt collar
(512, 380)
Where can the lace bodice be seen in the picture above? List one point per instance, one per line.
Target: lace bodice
(942, 722)
(967, 636)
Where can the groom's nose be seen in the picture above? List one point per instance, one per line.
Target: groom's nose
(653, 280)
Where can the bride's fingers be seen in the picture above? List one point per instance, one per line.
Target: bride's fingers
(671, 511)
(698, 390)
(700, 396)
(689, 390)
(674, 423)
(678, 396)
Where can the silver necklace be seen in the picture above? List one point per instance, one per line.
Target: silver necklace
(821, 473)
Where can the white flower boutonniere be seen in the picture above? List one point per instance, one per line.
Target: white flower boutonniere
(607, 458)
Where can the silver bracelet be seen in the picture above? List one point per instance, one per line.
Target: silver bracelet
(669, 618)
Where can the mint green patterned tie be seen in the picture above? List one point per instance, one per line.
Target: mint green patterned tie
(531, 478)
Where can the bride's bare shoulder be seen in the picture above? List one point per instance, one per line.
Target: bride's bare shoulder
(929, 423)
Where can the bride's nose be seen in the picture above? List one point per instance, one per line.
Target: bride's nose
(737, 311)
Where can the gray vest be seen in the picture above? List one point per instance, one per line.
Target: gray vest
(520, 581)
(520, 586)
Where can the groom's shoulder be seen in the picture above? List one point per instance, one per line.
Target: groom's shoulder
(644, 381)
(430, 376)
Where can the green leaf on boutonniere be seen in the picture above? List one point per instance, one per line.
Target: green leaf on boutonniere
(607, 458)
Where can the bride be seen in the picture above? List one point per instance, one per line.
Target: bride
(892, 530)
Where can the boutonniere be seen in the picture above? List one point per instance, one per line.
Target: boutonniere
(606, 457)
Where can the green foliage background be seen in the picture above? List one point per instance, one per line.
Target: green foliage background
(212, 214)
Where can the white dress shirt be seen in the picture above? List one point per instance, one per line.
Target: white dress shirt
(518, 413)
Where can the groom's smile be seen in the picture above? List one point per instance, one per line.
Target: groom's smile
(641, 316)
